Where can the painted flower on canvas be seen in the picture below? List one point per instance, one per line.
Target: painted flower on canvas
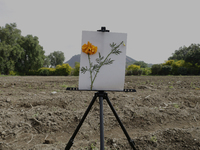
(90, 49)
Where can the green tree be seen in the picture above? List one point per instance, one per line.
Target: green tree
(76, 69)
(56, 58)
(32, 56)
(46, 62)
(182, 71)
(155, 69)
(146, 71)
(189, 54)
(175, 65)
(43, 71)
(10, 50)
(166, 70)
(179, 54)
(10, 34)
(168, 63)
(193, 55)
(6, 65)
(142, 64)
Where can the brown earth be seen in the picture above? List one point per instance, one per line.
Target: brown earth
(37, 113)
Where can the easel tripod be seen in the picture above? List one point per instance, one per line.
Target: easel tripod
(102, 95)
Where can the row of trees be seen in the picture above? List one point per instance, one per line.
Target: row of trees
(59, 70)
(138, 68)
(185, 61)
(54, 59)
(23, 53)
(17, 52)
(176, 67)
(189, 54)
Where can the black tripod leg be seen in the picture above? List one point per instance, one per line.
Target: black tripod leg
(70, 143)
(101, 124)
(131, 142)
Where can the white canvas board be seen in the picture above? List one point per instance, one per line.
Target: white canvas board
(111, 76)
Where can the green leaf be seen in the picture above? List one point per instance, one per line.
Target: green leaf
(84, 69)
(99, 60)
(95, 67)
(108, 61)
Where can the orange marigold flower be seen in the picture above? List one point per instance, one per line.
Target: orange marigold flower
(89, 48)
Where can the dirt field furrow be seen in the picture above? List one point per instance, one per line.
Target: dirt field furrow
(37, 113)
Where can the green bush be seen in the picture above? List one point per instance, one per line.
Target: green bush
(66, 69)
(52, 71)
(197, 69)
(175, 65)
(142, 64)
(166, 70)
(58, 71)
(193, 71)
(182, 71)
(180, 67)
(129, 73)
(43, 72)
(76, 69)
(13, 73)
(146, 71)
(155, 69)
(140, 72)
(32, 72)
(132, 70)
(63, 70)
(168, 62)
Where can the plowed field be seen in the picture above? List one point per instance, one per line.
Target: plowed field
(37, 113)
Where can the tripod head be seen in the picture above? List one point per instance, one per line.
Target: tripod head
(103, 29)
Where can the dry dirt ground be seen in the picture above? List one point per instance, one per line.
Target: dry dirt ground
(37, 113)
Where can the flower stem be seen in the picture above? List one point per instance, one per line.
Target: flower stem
(100, 67)
(103, 63)
(90, 72)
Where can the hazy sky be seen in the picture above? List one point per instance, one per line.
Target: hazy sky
(155, 28)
